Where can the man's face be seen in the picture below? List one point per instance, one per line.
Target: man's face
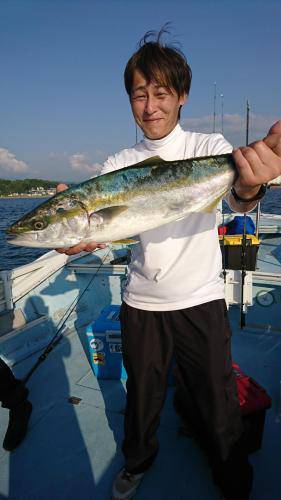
(155, 108)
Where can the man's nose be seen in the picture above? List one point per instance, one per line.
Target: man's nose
(150, 105)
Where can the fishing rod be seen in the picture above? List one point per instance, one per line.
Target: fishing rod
(243, 273)
(223, 249)
(57, 338)
(244, 238)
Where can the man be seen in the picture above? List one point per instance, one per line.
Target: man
(174, 299)
(13, 395)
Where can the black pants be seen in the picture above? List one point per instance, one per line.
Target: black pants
(199, 338)
(12, 391)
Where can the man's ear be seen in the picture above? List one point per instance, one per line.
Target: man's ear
(183, 99)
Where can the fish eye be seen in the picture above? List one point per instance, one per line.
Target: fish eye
(38, 225)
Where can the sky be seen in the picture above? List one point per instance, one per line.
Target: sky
(63, 105)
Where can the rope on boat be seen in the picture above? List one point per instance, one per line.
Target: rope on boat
(57, 338)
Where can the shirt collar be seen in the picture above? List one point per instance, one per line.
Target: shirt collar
(153, 144)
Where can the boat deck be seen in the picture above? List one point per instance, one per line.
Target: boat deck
(73, 450)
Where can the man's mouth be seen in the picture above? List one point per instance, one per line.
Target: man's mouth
(152, 119)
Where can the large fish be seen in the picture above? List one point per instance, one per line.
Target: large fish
(123, 203)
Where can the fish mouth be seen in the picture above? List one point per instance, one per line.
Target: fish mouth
(26, 240)
(10, 237)
(29, 239)
(33, 240)
(21, 241)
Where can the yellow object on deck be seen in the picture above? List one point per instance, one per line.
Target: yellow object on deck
(233, 256)
(237, 239)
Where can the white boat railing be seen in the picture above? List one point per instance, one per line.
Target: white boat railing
(232, 288)
(17, 282)
(3, 297)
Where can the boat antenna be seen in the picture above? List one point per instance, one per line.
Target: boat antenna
(247, 122)
(222, 97)
(215, 98)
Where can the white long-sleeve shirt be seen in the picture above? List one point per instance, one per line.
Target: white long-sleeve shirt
(177, 265)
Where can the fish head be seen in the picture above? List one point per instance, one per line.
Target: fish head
(61, 221)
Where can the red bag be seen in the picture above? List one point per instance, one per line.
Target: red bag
(253, 399)
(252, 396)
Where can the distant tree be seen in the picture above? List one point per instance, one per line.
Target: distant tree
(23, 186)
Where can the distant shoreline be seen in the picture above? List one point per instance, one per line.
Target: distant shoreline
(23, 196)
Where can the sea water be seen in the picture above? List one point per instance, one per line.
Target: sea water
(11, 209)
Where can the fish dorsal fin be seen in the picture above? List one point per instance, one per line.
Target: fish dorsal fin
(149, 161)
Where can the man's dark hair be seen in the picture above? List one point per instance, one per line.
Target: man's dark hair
(163, 64)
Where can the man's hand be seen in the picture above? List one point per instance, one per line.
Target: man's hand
(258, 163)
(81, 247)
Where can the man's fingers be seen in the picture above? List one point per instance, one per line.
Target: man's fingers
(275, 128)
(92, 246)
(245, 158)
(62, 250)
(71, 250)
(273, 138)
(81, 247)
(76, 249)
(259, 162)
(266, 154)
(273, 141)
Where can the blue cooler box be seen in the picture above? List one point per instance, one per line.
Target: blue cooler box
(104, 340)
(105, 346)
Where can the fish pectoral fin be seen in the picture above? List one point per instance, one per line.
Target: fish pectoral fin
(128, 241)
(149, 161)
(109, 213)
